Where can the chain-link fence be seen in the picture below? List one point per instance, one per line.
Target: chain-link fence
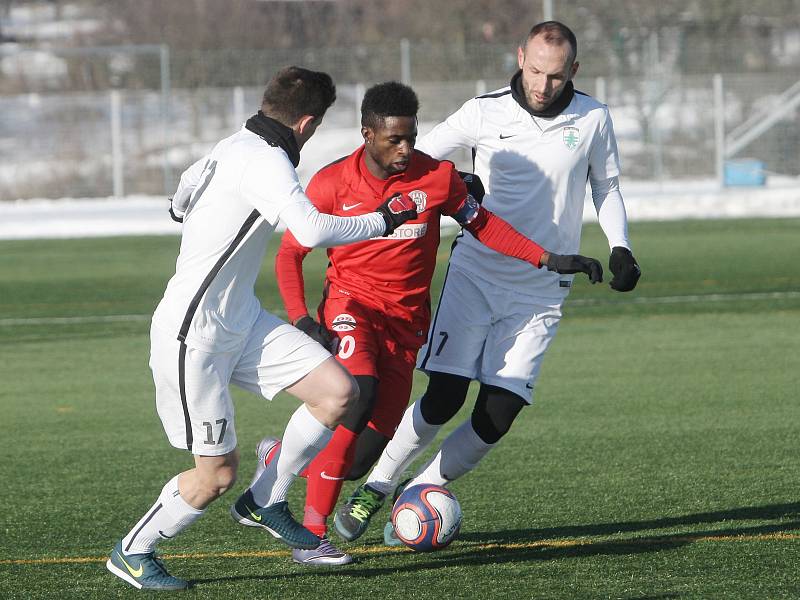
(150, 114)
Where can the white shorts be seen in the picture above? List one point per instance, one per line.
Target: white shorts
(484, 332)
(192, 395)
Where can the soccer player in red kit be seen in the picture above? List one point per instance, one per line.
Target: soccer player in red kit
(376, 297)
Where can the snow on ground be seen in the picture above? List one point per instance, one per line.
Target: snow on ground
(147, 215)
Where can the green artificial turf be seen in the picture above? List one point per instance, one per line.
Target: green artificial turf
(661, 458)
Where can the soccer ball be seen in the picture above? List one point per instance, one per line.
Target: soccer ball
(426, 517)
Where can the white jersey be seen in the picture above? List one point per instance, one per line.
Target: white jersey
(534, 171)
(231, 202)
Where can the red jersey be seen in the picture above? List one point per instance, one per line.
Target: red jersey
(392, 273)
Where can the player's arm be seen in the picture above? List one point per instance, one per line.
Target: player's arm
(496, 233)
(289, 269)
(273, 189)
(190, 179)
(289, 273)
(607, 199)
(459, 130)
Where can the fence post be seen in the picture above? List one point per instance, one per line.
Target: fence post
(358, 92)
(600, 89)
(719, 129)
(165, 118)
(116, 144)
(238, 106)
(405, 61)
(547, 10)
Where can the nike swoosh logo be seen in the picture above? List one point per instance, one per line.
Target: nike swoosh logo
(505, 137)
(164, 535)
(324, 475)
(351, 206)
(135, 572)
(255, 517)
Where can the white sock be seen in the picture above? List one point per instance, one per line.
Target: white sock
(461, 452)
(301, 442)
(412, 436)
(170, 515)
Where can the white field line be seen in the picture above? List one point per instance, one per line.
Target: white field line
(687, 299)
(74, 320)
(690, 298)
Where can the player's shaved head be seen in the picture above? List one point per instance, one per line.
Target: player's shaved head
(389, 99)
(554, 33)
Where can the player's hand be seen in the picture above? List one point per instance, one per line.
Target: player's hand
(315, 331)
(397, 210)
(625, 269)
(567, 264)
(474, 185)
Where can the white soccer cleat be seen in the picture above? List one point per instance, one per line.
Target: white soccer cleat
(325, 554)
(266, 450)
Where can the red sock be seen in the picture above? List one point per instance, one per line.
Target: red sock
(326, 475)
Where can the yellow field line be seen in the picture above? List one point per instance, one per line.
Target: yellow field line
(778, 536)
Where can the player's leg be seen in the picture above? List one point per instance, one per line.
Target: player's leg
(462, 450)
(359, 329)
(279, 357)
(325, 476)
(195, 409)
(369, 447)
(515, 350)
(328, 470)
(396, 366)
(451, 358)
(443, 398)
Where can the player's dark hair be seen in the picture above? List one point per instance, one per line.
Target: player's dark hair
(295, 92)
(554, 32)
(389, 99)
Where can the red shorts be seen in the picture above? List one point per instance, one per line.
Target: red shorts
(375, 344)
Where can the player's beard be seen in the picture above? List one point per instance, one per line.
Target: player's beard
(541, 106)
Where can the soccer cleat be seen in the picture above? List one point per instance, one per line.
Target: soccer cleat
(276, 518)
(325, 554)
(266, 450)
(352, 518)
(389, 536)
(400, 489)
(143, 571)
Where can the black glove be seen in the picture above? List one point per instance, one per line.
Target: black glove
(173, 216)
(625, 269)
(315, 331)
(575, 263)
(474, 185)
(397, 210)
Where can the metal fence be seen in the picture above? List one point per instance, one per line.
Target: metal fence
(138, 134)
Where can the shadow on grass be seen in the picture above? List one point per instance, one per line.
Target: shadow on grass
(748, 513)
(527, 545)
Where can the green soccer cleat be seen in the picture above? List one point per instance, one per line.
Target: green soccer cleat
(352, 518)
(389, 536)
(143, 571)
(276, 518)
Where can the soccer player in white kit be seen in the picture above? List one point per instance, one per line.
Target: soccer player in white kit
(535, 143)
(209, 330)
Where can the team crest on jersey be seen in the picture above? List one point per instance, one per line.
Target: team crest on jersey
(571, 136)
(420, 198)
(343, 322)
